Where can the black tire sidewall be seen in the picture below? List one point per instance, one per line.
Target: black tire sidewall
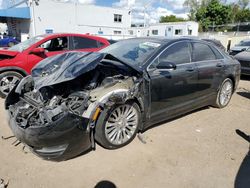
(100, 127)
(8, 73)
(10, 44)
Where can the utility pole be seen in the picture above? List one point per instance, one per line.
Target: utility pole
(144, 12)
(238, 27)
(32, 4)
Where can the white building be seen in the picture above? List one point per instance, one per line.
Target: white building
(46, 16)
(27, 18)
(172, 29)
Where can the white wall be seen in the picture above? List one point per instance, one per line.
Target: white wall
(225, 37)
(3, 27)
(77, 18)
(168, 29)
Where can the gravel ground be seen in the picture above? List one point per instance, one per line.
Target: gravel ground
(200, 149)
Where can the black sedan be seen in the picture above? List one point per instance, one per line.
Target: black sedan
(244, 59)
(75, 99)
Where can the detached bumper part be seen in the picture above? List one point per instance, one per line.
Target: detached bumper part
(63, 139)
(51, 152)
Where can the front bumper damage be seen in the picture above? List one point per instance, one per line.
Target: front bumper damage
(56, 119)
(60, 134)
(62, 139)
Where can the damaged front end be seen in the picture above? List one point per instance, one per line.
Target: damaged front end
(54, 111)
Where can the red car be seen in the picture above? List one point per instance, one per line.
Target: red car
(18, 60)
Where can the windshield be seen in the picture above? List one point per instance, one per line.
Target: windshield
(244, 43)
(134, 52)
(26, 44)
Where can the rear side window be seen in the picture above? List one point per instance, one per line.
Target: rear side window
(217, 53)
(112, 41)
(177, 53)
(202, 52)
(84, 43)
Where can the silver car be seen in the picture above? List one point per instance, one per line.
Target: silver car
(242, 46)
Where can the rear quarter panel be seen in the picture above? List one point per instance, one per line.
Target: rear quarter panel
(233, 70)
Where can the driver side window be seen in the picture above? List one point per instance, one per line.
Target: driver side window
(178, 53)
(56, 44)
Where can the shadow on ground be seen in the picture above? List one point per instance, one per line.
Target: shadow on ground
(105, 184)
(242, 179)
(175, 118)
(245, 77)
(244, 94)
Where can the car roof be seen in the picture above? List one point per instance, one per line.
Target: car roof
(166, 40)
(71, 34)
(245, 40)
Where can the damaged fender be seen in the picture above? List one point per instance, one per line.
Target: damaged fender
(54, 111)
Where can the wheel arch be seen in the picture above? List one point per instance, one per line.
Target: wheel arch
(14, 69)
(139, 102)
(231, 77)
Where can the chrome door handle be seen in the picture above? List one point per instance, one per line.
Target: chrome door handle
(219, 65)
(190, 69)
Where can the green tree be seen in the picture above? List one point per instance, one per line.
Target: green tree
(171, 18)
(215, 13)
(242, 15)
(234, 9)
(193, 7)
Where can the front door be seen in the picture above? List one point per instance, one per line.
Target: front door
(52, 47)
(172, 89)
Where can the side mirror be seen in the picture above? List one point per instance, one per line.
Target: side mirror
(38, 51)
(166, 65)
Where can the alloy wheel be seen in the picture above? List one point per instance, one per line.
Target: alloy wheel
(7, 83)
(226, 93)
(121, 124)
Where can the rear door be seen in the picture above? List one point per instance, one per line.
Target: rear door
(79, 43)
(172, 89)
(210, 63)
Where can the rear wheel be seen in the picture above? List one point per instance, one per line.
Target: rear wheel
(224, 94)
(8, 80)
(119, 126)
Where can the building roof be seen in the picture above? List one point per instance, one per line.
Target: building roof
(22, 12)
(174, 23)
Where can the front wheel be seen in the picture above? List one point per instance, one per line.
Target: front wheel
(118, 126)
(8, 80)
(10, 44)
(224, 94)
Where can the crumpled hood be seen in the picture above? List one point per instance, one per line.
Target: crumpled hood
(239, 48)
(64, 67)
(9, 53)
(243, 56)
(68, 66)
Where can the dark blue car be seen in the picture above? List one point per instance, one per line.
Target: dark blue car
(8, 41)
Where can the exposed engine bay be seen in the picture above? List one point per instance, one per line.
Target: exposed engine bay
(40, 107)
(54, 105)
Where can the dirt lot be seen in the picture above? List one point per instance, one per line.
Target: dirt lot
(200, 149)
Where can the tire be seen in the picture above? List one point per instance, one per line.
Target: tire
(8, 80)
(10, 44)
(112, 126)
(224, 94)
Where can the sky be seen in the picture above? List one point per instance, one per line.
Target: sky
(153, 9)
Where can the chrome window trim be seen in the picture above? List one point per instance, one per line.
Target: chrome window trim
(189, 43)
(211, 50)
(148, 67)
